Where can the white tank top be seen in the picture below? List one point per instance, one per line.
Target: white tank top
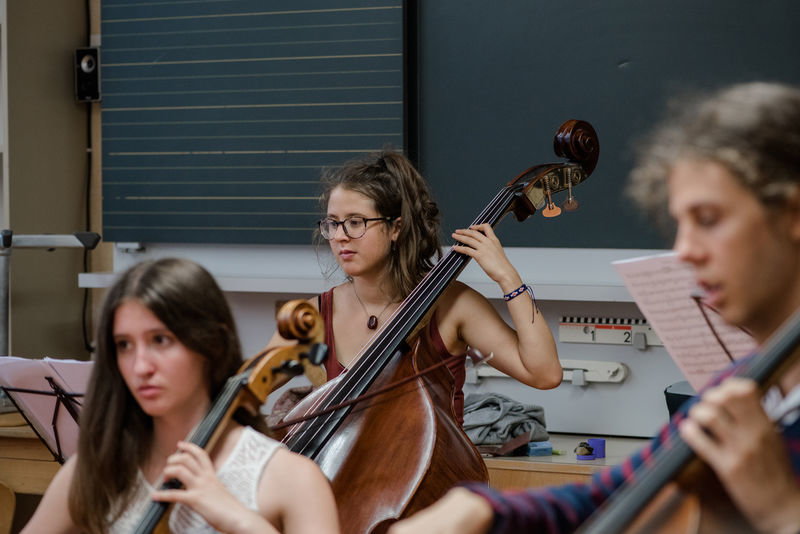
(240, 474)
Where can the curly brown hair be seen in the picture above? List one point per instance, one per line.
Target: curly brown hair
(398, 190)
(752, 129)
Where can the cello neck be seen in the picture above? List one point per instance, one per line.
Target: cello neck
(250, 386)
(200, 436)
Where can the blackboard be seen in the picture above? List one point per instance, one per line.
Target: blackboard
(219, 115)
(205, 140)
(498, 78)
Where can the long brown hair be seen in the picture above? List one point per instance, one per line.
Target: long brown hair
(398, 190)
(115, 434)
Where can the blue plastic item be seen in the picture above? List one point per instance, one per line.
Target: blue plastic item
(540, 448)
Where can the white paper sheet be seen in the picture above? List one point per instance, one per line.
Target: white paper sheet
(662, 287)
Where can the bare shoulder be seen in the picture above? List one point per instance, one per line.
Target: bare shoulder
(52, 514)
(289, 476)
(287, 467)
(66, 472)
(294, 489)
(457, 292)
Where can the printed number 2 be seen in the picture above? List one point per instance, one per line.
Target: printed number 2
(626, 337)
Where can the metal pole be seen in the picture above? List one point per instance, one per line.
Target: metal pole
(4, 323)
(5, 259)
(8, 240)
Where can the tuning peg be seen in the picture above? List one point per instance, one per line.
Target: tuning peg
(292, 368)
(551, 210)
(570, 204)
(317, 353)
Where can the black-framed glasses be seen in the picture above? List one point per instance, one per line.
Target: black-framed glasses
(354, 227)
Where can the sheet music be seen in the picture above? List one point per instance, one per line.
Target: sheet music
(662, 287)
(71, 375)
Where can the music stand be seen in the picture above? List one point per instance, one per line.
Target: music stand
(63, 398)
(46, 393)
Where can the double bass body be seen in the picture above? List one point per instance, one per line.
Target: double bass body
(398, 452)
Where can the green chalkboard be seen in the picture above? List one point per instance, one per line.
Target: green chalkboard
(219, 115)
(497, 79)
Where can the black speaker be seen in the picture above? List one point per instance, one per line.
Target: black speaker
(87, 74)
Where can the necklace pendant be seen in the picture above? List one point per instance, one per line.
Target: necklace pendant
(372, 323)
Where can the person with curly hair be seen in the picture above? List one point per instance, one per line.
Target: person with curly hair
(727, 167)
(166, 346)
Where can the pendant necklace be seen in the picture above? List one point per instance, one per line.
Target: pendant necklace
(372, 322)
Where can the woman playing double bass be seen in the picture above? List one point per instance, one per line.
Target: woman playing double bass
(729, 167)
(382, 227)
(167, 344)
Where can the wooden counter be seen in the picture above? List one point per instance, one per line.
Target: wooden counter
(533, 471)
(26, 466)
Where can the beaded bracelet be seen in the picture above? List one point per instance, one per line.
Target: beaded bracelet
(524, 288)
(519, 291)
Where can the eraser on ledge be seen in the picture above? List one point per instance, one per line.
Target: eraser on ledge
(540, 448)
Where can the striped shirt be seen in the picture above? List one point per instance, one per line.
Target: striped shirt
(563, 508)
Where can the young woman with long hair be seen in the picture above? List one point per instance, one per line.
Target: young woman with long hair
(166, 344)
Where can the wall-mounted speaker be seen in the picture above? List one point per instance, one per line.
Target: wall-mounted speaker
(87, 74)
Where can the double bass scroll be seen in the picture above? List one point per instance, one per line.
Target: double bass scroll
(577, 142)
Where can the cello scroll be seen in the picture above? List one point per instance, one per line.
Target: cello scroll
(297, 319)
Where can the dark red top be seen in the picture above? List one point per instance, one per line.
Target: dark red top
(334, 368)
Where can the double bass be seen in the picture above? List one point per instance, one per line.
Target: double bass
(384, 432)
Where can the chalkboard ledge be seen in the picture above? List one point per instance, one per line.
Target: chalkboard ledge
(312, 286)
(557, 274)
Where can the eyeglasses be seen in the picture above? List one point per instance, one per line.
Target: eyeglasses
(354, 227)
